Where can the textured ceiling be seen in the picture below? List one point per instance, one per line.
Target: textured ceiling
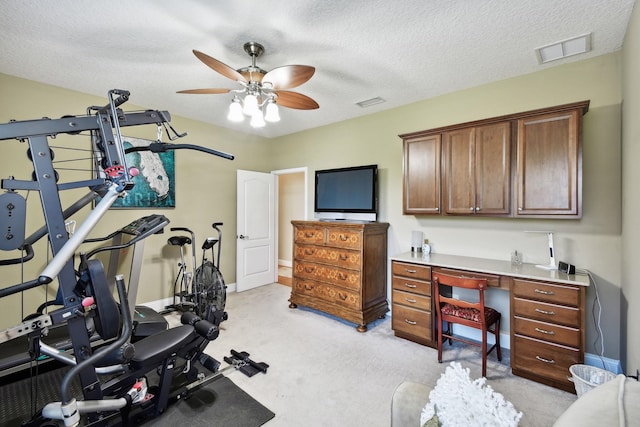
(402, 51)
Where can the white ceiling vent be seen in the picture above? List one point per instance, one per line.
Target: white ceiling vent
(564, 48)
(370, 102)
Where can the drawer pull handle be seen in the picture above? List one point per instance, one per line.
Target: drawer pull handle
(309, 251)
(344, 238)
(411, 271)
(309, 269)
(544, 292)
(409, 285)
(342, 276)
(344, 257)
(309, 234)
(342, 296)
(542, 331)
(412, 301)
(411, 322)
(550, 313)
(549, 361)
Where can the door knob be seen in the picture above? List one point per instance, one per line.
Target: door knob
(243, 237)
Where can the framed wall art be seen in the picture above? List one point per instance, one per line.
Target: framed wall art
(154, 186)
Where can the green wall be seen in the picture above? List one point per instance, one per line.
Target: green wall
(592, 242)
(631, 195)
(206, 186)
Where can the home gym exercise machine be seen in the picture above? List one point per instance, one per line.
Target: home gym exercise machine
(119, 382)
(146, 321)
(202, 291)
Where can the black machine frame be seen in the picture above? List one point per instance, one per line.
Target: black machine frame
(103, 123)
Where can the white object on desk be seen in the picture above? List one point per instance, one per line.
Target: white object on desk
(552, 260)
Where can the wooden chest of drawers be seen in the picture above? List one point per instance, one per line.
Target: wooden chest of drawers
(340, 268)
(411, 316)
(547, 331)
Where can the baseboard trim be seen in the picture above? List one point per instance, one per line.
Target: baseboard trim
(285, 263)
(610, 365)
(476, 335)
(161, 304)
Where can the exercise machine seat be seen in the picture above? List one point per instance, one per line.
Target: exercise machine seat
(179, 240)
(155, 348)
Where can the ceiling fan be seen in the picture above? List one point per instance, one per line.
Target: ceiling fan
(261, 88)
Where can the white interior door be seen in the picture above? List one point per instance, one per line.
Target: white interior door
(255, 234)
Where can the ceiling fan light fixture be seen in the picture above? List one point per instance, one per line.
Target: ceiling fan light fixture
(260, 88)
(250, 104)
(257, 121)
(235, 111)
(272, 114)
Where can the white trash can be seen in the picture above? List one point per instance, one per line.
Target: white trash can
(587, 377)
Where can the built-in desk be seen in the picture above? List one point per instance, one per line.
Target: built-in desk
(547, 310)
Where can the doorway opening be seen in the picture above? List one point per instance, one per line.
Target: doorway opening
(291, 205)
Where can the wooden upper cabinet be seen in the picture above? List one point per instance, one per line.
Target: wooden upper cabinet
(421, 175)
(523, 165)
(477, 170)
(549, 165)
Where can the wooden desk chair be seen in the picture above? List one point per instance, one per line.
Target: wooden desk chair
(473, 314)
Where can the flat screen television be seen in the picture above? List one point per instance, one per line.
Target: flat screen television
(347, 193)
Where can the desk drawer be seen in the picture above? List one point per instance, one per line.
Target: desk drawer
(412, 300)
(410, 321)
(409, 285)
(543, 359)
(548, 292)
(492, 280)
(569, 316)
(547, 331)
(414, 271)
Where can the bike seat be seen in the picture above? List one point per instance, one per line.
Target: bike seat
(152, 350)
(179, 240)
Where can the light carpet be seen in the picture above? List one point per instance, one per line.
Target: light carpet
(324, 373)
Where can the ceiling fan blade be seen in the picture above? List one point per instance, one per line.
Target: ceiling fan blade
(220, 67)
(289, 76)
(295, 100)
(204, 91)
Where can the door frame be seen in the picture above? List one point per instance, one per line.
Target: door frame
(305, 171)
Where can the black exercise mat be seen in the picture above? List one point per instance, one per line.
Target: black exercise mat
(219, 403)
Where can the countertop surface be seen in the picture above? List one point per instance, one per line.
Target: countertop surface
(492, 266)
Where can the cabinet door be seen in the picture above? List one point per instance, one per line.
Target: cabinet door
(477, 170)
(493, 169)
(421, 185)
(549, 165)
(459, 172)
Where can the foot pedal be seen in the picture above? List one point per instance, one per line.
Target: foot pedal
(242, 362)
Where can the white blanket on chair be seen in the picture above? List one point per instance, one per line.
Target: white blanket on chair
(460, 402)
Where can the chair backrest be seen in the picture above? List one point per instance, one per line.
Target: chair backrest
(459, 282)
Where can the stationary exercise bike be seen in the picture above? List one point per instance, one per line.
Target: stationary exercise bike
(202, 291)
(209, 289)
